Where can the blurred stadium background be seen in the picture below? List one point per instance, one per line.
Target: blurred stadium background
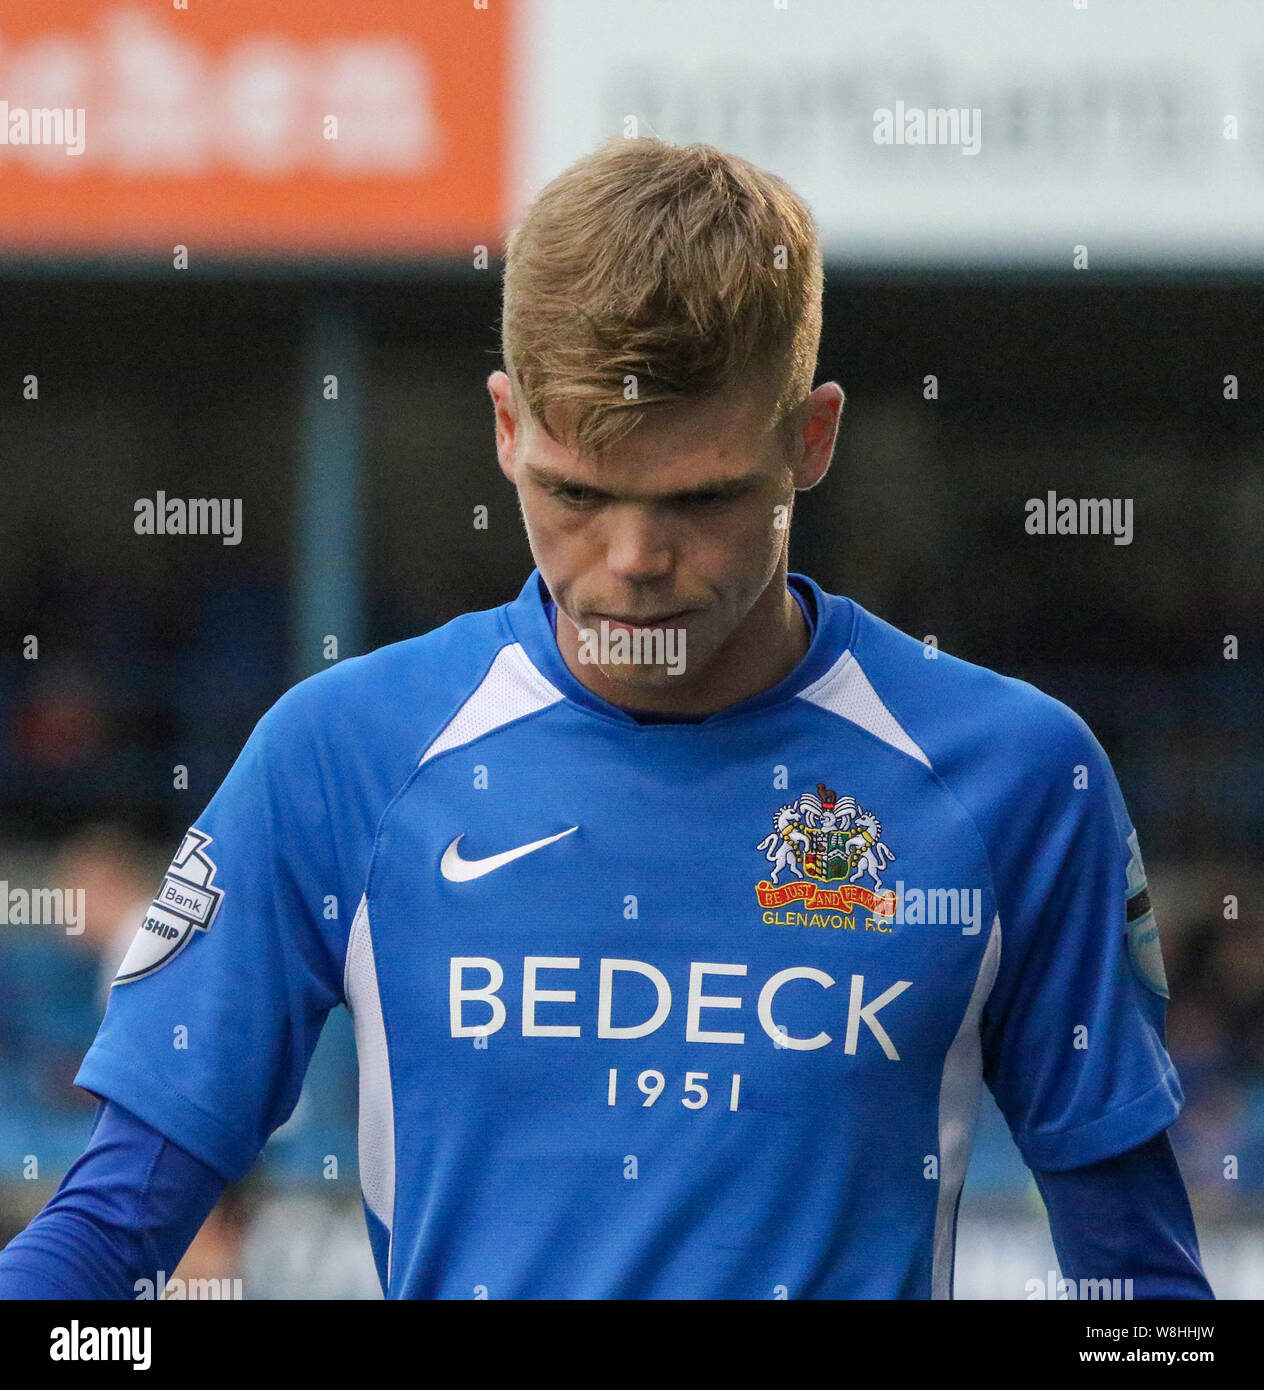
(1109, 128)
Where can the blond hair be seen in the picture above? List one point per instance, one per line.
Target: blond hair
(685, 268)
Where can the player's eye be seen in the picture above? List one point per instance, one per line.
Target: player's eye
(573, 496)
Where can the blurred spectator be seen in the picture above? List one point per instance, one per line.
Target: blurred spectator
(1216, 1038)
(216, 1254)
(54, 977)
(119, 876)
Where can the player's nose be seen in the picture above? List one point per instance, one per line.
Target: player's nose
(638, 548)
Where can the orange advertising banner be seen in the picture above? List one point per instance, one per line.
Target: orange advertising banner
(256, 127)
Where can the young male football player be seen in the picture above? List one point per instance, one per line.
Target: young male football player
(682, 906)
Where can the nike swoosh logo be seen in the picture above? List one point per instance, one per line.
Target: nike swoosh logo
(458, 870)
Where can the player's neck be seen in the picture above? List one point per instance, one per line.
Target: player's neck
(768, 644)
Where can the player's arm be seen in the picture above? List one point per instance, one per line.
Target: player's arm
(218, 1006)
(1074, 1028)
(1127, 1218)
(211, 1021)
(129, 1207)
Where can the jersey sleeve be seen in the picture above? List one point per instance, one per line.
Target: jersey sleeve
(1073, 1031)
(219, 1002)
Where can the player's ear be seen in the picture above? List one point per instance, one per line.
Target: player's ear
(501, 392)
(817, 434)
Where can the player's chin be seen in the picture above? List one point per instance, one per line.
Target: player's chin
(647, 677)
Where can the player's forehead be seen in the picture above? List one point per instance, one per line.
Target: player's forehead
(678, 448)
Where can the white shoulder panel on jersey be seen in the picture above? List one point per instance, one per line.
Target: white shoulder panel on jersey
(845, 690)
(511, 689)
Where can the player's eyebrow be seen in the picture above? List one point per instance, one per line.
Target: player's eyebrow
(720, 487)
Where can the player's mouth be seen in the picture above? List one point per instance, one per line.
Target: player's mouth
(649, 620)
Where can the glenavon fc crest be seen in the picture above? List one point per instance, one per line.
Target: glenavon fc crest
(831, 851)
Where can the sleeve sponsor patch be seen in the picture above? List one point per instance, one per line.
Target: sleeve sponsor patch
(1144, 947)
(187, 901)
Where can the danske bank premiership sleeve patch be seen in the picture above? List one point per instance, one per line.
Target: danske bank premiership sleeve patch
(186, 901)
(1144, 947)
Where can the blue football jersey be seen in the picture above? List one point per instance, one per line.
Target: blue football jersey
(695, 1009)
